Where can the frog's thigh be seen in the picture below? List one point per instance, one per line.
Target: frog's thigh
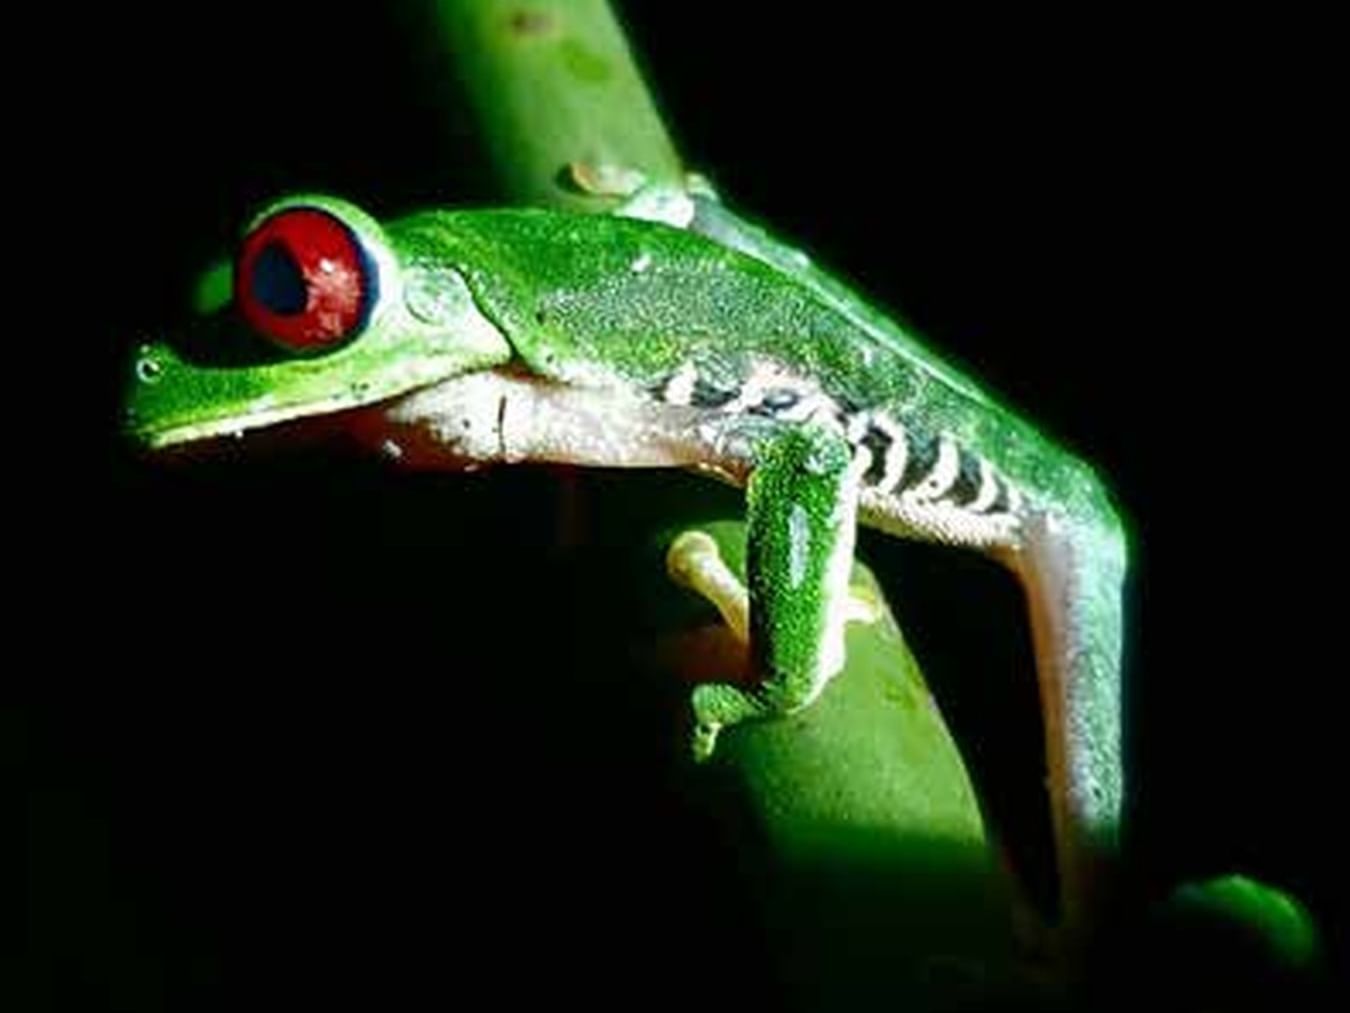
(801, 524)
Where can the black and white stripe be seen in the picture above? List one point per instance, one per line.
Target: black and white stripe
(921, 468)
(918, 468)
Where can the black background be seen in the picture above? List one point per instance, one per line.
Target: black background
(256, 675)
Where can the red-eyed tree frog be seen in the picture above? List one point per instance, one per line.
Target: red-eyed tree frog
(675, 335)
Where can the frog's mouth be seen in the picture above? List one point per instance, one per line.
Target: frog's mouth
(183, 408)
(501, 415)
(172, 401)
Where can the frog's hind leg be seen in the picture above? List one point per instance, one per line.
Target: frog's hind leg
(1073, 574)
(801, 520)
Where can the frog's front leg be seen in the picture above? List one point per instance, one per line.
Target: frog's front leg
(801, 521)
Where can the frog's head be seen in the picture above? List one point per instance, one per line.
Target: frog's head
(327, 315)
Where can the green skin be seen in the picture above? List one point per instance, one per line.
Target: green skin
(608, 340)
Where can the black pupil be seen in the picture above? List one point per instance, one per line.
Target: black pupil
(277, 281)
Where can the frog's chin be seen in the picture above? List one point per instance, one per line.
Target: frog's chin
(508, 415)
(388, 429)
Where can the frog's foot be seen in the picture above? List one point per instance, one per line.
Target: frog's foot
(694, 561)
(864, 605)
(670, 202)
(717, 705)
(608, 179)
(605, 179)
(802, 497)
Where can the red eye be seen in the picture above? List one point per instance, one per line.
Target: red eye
(304, 280)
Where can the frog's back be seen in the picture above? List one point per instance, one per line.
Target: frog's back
(678, 318)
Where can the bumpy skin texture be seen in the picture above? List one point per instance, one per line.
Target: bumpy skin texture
(590, 312)
(574, 297)
(606, 340)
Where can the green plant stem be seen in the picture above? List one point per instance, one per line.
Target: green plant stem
(554, 83)
(861, 806)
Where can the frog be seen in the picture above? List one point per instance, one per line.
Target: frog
(675, 334)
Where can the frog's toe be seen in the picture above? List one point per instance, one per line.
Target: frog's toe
(694, 561)
(704, 741)
(864, 604)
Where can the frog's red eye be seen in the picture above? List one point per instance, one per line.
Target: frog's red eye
(304, 280)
